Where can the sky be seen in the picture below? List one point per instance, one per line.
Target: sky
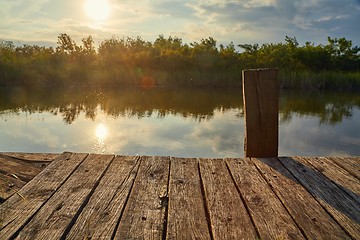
(238, 21)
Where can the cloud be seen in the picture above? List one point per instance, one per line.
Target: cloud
(173, 9)
(308, 138)
(223, 133)
(264, 21)
(245, 21)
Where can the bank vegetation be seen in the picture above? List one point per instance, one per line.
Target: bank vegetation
(168, 61)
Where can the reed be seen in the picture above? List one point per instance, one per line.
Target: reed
(170, 62)
(332, 80)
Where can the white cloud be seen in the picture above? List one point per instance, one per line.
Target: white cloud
(259, 3)
(250, 21)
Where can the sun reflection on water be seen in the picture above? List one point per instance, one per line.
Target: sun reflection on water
(101, 133)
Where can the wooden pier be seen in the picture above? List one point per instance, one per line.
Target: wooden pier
(261, 196)
(89, 196)
(16, 169)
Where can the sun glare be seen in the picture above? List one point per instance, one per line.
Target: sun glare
(101, 132)
(98, 10)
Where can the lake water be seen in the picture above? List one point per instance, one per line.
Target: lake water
(175, 122)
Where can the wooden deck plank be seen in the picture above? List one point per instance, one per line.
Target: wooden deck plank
(19, 208)
(24, 171)
(332, 197)
(52, 220)
(19, 168)
(351, 164)
(14, 174)
(337, 174)
(144, 214)
(186, 213)
(228, 215)
(9, 185)
(32, 157)
(269, 215)
(180, 198)
(315, 222)
(99, 218)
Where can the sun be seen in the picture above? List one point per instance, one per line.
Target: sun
(98, 10)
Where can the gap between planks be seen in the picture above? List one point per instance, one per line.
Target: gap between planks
(186, 198)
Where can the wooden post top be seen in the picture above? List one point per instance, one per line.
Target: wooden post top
(260, 96)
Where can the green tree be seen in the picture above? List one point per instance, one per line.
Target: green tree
(205, 53)
(228, 56)
(66, 45)
(315, 58)
(88, 45)
(344, 55)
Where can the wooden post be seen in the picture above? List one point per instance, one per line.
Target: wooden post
(260, 96)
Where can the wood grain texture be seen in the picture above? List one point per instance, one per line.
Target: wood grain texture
(52, 220)
(337, 174)
(80, 196)
(228, 216)
(144, 214)
(16, 169)
(9, 185)
(310, 216)
(23, 170)
(260, 97)
(351, 164)
(99, 218)
(19, 208)
(269, 215)
(187, 217)
(343, 208)
(14, 174)
(32, 157)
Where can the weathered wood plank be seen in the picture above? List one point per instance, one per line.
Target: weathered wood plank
(54, 217)
(9, 185)
(269, 215)
(14, 174)
(29, 157)
(228, 216)
(144, 213)
(186, 214)
(19, 168)
(99, 218)
(24, 171)
(260, 97)
(344, 209)
(194, 199)
(19, 208)
(351, 164)
(315, 222)
(337, 174)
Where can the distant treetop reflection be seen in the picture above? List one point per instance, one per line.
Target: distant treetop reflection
(131, 102)
(330, 107)
(199, 104)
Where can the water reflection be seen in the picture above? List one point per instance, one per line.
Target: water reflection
(329, 107)
(176, 122)
(69, 103)
(101, 133)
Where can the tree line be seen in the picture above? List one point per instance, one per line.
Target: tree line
(168, 61)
